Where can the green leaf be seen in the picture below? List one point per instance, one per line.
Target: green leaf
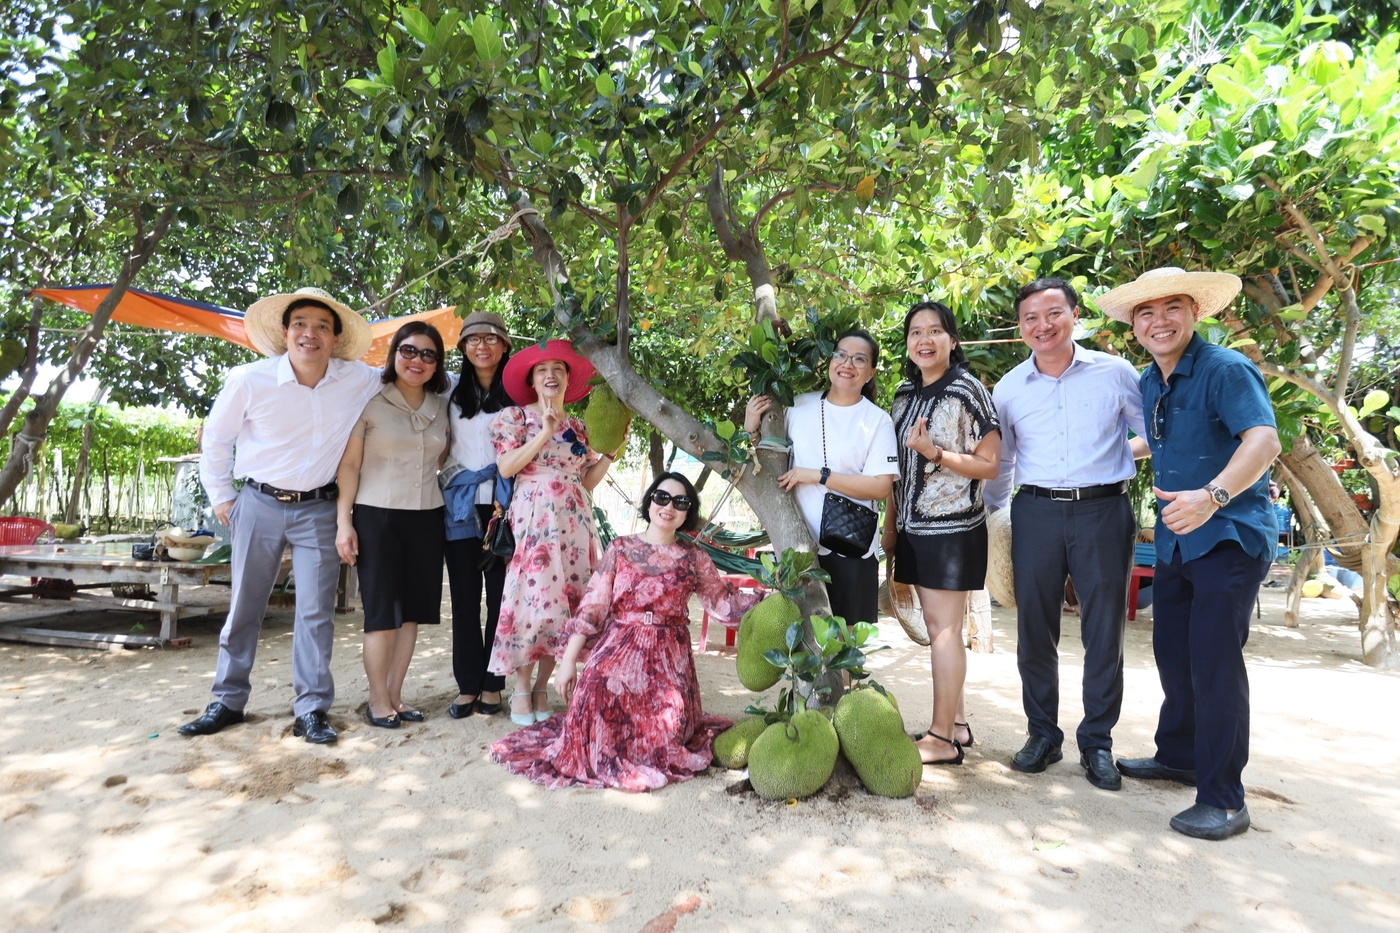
(1226, 82)
(388, 60)
(486, 39)
(1372, 222)
(1103, 190)
(604, 84)
(1044, 90)
(366, 88)
(1374, 401)
(419, 26)
(725, 429)
(775, 657)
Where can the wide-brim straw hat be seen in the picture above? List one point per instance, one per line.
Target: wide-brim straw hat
(517, 374)
(898, 601)
(484, 322)
(263, 324)
(1213, 292)
(1001, 581)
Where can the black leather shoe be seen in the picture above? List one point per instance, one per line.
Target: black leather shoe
(489, 709)
(1035, 755)
(216, 716)
(384, 722)
(1206, 822)
(315, 728)
(412, 715)
(1150, 769)
(1098, 768)
(461, 710)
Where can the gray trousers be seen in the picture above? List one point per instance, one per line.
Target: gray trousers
(262, 528)
(1091, 541)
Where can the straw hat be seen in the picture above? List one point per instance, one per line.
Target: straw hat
(263, 324)
(1001, 583)
(898, 601)
(1213, 292)
(484, 322)
(517, 374)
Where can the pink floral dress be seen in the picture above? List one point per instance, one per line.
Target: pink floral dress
(554, 545)
(634, 721)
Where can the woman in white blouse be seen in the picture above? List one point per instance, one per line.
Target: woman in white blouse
(390, 515)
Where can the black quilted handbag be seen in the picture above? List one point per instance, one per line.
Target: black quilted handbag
(848, 528)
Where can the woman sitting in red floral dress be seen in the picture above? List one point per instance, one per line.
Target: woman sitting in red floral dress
(634, 720)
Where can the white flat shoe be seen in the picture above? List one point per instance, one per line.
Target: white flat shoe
(541, 714)
(522, 719)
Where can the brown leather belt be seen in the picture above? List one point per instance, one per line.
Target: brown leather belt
(328, 491)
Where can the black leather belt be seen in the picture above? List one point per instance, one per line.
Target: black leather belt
(1076, 493)
(328, 491)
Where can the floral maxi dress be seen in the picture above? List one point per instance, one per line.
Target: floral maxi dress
(554, 545)
(635, 720)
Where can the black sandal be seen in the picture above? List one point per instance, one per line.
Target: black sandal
(970, 740)
(946, 761)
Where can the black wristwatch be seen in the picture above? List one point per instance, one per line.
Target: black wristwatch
(826, 475)
(1219, 494)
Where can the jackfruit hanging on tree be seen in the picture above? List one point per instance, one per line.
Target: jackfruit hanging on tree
(794, 758)
(606, 420)
(12, 355)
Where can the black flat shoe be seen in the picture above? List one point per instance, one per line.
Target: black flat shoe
(216, 716)
(384, 722)
(315, 728)
(971, 739)
(1098, 768)
(944, 761)
(1037, 754)
(461, 710)
(1206, 822)
(411, 715)
(489, 709)
(1150, 769)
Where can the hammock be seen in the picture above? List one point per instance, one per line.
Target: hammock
(726, 561)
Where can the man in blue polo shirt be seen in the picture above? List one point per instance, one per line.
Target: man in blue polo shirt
(1210, 425)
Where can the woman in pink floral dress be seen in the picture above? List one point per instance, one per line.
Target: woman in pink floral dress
(546, 451)
(634, 720)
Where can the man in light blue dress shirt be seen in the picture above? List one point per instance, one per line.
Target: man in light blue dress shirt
(1065, 415)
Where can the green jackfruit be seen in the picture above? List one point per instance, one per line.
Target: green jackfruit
(67, 532)
(12, 356)
(763, 628)
(606, 420)
(793, 759)
(873, 740)
(732, 746)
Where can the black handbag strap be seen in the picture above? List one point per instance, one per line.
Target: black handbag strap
(826, 465)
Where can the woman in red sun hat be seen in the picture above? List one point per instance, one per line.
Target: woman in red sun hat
(547, 453)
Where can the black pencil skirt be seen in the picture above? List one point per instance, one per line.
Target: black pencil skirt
(400, 565)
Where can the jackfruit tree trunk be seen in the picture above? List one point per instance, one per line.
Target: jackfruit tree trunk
(27, 371)
(1310, 552)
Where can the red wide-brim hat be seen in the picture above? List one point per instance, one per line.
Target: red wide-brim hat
(515, 378)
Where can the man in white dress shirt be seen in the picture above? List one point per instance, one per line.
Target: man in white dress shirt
(1065, 415)
(281, 425)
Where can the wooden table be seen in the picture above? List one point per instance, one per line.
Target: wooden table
(100, 565)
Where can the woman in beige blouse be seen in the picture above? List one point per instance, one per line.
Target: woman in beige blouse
(390, 517)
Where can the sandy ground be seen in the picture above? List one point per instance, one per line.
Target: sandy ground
(111, 821)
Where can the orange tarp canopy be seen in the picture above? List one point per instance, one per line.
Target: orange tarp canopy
(165, 312)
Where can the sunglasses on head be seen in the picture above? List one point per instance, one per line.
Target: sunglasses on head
(409, 352)
(576, 446)
(681, 503)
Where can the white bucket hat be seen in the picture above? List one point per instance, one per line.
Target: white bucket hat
(1213, 292)
(263, 324)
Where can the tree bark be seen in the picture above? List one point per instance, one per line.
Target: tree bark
(1309, 558)
(36, 423)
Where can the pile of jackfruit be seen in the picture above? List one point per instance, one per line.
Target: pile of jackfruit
(794, 758)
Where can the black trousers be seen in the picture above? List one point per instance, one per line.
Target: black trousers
(1091, 541)
(854, 590)
(470, 651)
(1200, 623)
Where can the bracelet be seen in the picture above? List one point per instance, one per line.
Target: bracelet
(603, 456)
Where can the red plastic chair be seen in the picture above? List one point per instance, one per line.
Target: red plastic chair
(16, 529)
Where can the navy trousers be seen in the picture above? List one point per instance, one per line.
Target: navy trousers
(1200, 623)
(1092, 541)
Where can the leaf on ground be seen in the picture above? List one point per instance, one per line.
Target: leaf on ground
(1042, 846)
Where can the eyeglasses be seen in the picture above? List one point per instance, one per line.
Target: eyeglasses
(409, 352)
(857, 359)
(478, 340)
(576, 446)
(662, 497)
(1159, 418)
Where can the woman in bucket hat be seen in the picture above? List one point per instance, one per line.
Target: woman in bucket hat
(546, 452)
(477, 396)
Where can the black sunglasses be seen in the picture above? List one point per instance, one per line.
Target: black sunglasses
(409, 352)
(576, 446)
(662, 497)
